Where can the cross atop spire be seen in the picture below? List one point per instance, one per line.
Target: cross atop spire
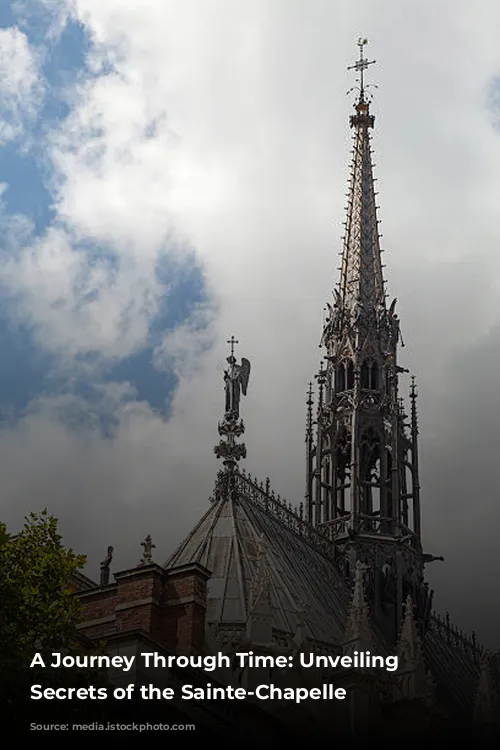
(232, 341)
(360, 66)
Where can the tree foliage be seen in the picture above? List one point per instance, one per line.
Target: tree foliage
(39, 613)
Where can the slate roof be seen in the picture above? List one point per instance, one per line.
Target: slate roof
(455, 663)
(226, 541)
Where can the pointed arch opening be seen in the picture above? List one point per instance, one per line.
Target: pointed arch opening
(344, 376)
(350, 375)
(370, 375)
(340, 379)
(388, 499)
(407, 495)
(370, 477)
(342, 474)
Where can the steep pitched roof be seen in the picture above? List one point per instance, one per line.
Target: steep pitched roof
(227, 542)
(454, 663)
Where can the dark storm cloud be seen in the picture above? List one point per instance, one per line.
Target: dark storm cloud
(462, 509)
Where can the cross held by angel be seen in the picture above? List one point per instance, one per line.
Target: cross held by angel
(236, 379)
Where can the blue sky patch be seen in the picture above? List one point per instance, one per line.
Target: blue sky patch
(26, 371)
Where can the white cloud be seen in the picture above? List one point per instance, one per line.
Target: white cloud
(181, 350)
(75, 306)
(226, 123)
(21, 88)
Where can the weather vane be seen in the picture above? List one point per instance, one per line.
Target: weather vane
(360, 66)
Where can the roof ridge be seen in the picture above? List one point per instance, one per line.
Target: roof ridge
(188, 538)
(276, 507)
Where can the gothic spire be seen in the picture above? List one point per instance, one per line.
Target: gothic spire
(357, 633)
(414, 442)
(484, 705)
(309, 450)
(361, 283)
(309, 404)
(409, 645)
(415, 678)
(362, 465)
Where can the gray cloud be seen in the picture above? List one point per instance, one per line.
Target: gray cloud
(462, 509)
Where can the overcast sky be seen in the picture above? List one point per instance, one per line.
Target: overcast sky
(173, 173)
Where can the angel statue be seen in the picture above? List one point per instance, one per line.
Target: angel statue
(236, 383)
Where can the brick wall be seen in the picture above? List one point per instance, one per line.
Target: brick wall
(168, 605)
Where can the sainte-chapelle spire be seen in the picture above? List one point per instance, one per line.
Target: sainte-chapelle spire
(362, 479)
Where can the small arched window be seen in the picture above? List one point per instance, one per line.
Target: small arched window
(350, 375)
(370, 375)
(340, 378)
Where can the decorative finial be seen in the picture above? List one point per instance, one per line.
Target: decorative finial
(359, 572)
(360, 66)
(148, 546)
(357, 632)
(309, 404)
(105, 566)
(321, 374)
(413, 388)
(321, 378)
(236, 379)
(414, 412)
(408, 606)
